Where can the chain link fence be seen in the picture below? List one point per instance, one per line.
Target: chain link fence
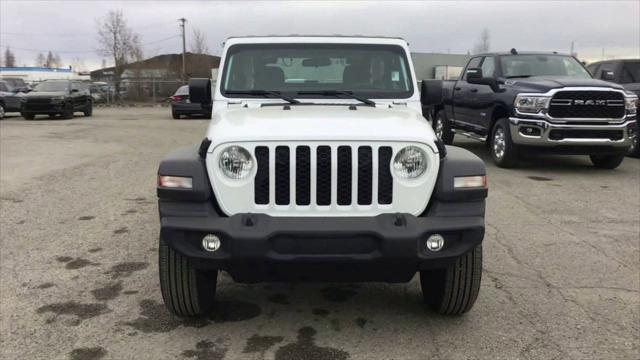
(131, 91)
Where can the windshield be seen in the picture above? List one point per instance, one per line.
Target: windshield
(52, 86)
(370, 71)
(542, 65)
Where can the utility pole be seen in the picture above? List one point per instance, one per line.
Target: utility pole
(184, 50)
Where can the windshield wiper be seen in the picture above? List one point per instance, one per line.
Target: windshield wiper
(339, 93)
(275, 93)
(518, 76)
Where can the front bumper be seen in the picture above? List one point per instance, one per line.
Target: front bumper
(42, 108)
(545, 133)
(258, 247)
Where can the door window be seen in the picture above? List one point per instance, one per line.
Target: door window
(473, 63)
(488, 66)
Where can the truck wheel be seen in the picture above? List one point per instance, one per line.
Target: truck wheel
(606, 161)
(454, 290)
(503, 151)
(175, 116)
(88, 109)
(1, 111)
(67, 113)
(28, 116)
(187, 291)
(442, 128)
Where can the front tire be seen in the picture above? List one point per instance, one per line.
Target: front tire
(88, 109)
(606, 161)
(67, 113)
(454, 290)
(186, 291)
(2, 111)
(442, 128)
(503, 151)
(28, 116)
(175, 116)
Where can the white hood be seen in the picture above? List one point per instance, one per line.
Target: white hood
(319, 123)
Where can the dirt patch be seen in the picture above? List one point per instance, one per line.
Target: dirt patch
(78, 264)
(95, 250)
(260, 344)
(93, 353)
(338, 293)
(130, 292)
(123, 270)
(279, 299)
(122, 230)
(45, 285)
(361, 322)
(80, 311)
(206, 350)
(305, 348)
(108, 292)
(64, 258)
(84, 218)
(335, 325)
(539, 178)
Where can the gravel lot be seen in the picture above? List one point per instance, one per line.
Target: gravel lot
(78, 270)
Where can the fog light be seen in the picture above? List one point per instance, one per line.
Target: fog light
(435, 242)
(211, 243)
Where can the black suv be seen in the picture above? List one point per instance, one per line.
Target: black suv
(53, 97)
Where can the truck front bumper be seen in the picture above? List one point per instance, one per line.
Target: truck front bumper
(540, 132)
(258, 247)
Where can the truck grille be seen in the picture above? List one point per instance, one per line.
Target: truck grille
(316, 177)
(587, 104)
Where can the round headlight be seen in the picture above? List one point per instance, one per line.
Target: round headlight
(235, 162)
(410, 162)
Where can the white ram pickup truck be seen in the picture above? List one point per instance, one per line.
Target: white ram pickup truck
(318, 166)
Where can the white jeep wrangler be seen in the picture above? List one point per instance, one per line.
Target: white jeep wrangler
(318, 166)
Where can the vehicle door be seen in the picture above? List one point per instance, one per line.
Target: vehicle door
(77, 96)
(11, 98)
(463, 94)
(482, 95)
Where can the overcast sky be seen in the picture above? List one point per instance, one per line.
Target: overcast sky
(69, 27)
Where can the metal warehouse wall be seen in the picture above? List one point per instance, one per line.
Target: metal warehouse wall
(425, 63)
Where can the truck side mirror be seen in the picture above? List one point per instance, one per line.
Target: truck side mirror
(431, 92)
(474, 74)
(200, 90)
(608, 75)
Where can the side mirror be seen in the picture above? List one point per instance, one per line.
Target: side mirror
(200, 90)
(431, 92)
(474, 74)
(74, 90)
(608, 75)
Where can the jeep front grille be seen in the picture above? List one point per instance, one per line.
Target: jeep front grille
(587, 104)
(348, 181)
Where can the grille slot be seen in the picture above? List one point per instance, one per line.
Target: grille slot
(587, 104)
(261, 185)
(385, 180)
(282, 175)
(323, 175)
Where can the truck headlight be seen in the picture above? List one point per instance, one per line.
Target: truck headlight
(235, 162)
(531, 104)
(410, 162)
(631, 104)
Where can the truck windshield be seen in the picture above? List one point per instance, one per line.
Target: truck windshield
(514, 66)
(52, 86)
(317, 70)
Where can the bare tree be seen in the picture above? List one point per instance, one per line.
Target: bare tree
(199, 43)
(9, 58)
(40, 60)
(117, 41)
(52, 60)
(484, 43)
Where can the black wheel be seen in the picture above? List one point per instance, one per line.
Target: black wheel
(634, 149)
(454, 290)
(442, 128)
(52, 116)
(1, 111)
(606, 161)
(88, 109)
(175, 116)
(503, 151)
(186, 291)
(67, 113)
(28, 116)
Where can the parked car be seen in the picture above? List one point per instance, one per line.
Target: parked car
(537, 102)
(318, 166)
(10, 99)
(57, 97)
(17, 84)
(181, 105)
(623, 72)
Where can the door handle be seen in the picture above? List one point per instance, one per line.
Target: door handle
(458, 89)
(474, 90)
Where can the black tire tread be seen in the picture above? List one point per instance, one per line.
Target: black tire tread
(181, 284)
(608, 162)
(454, 290)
